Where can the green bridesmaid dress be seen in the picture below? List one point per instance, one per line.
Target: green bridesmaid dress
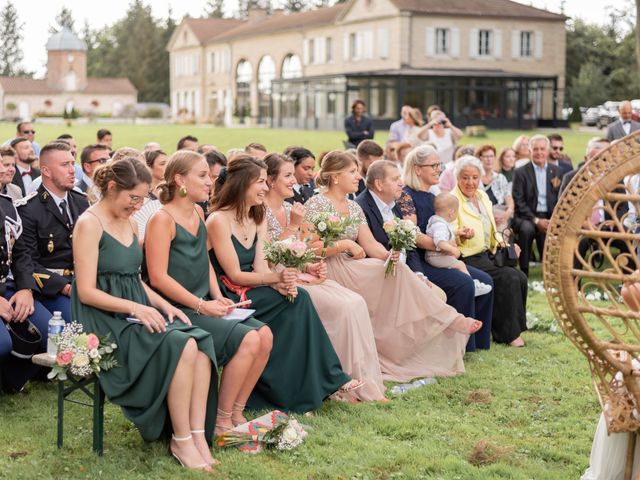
(303, 368)
(189, 266)
(147, 361)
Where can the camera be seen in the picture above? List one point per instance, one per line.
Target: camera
(443, 122)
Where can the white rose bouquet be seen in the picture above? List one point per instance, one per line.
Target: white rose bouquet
(330, 228)
(402, 236)
(81, 354)
(287, 434)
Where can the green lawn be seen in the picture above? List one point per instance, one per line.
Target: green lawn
(539, 416)
(274, 140)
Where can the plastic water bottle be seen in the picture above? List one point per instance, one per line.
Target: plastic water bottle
(421, 382)
(56, 326)
(397, 389)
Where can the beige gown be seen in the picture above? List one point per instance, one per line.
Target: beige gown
(345, 317)
(410, 321)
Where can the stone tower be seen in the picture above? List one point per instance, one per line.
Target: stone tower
(66, 62)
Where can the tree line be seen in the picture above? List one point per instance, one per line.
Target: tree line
(603, 61)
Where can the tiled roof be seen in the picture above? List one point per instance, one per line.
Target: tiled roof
(477, 8)
(94, 85)
(207, 28)
(284, 21)
(25, 85)
(110, 85)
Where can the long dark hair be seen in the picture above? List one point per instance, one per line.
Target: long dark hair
(232, 185)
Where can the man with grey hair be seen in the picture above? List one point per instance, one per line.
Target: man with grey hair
(399, 128)
(535, 194)
(624, 125)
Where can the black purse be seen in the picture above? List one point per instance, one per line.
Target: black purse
(506, 256)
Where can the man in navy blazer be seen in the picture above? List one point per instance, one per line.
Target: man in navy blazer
(384, 187)
(535, 193)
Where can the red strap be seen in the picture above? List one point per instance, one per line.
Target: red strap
(239, 290)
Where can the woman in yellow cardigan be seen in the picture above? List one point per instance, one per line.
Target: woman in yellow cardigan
(478, 243)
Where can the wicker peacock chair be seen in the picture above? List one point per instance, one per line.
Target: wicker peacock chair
(585, 268)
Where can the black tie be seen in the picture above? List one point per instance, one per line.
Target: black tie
(65, 215)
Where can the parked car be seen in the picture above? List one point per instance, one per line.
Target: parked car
(608, 113)
(590, 116)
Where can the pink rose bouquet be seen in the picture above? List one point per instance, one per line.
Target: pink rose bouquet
(290, 253)
(81, 354)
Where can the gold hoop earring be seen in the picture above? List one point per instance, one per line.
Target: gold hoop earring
(183, 191)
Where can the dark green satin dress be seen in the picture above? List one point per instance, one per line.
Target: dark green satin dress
(303, 368)
(189, 266)
(147, 361)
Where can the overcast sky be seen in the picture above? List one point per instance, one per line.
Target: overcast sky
(38, 15)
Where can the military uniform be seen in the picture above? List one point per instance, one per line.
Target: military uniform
(47, 241)
(16, 371)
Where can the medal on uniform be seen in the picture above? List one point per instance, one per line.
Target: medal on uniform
(50, 246)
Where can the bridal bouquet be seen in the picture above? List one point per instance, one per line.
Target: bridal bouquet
(81, 354)
(290, 253)
(402, 236)
(330, 228)
(287, 434)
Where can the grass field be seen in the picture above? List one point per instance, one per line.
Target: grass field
(535, 407)
(275, 140)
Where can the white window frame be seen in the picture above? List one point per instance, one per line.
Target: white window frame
(485, 43)
(526, 44)
(442, 41)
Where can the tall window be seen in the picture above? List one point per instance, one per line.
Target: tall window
(328, 50)
(442, 41)
(291, 67)
(484, 42)
(353, 45)
(526, 44)
(312, 51)
(212, 62)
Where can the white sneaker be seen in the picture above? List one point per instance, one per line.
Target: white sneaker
(481, 288)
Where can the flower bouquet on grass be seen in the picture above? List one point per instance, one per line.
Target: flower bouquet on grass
(81, 354)
(402, 236)
(330, 228)
(276, 431)
(290, 253)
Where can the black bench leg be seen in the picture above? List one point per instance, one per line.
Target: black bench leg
(98, 417)
(60, 411)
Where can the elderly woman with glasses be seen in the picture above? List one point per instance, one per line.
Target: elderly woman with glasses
(421, 172)
(496, 186)
(478, 244)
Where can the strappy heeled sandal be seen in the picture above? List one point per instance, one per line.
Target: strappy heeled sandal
(221, 415)
(351, 385)
(205, 466)
(215, 461)
(237, 408)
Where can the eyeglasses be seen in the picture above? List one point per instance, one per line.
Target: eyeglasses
(27, 132)
(135, 199)
(488, 155)
(558, 147)
(101, 160)
(435, 166)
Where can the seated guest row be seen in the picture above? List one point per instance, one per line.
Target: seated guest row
(349, 327)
